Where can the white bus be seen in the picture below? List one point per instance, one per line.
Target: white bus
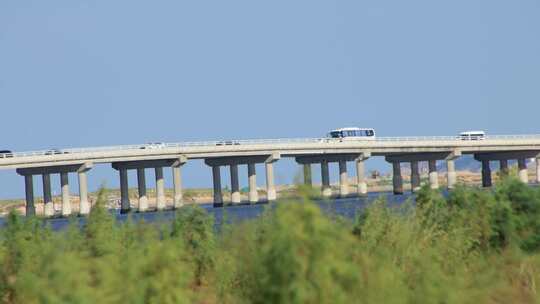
(472, 135)
(353, 134)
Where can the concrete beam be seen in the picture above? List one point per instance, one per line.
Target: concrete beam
(505, 155)
(330, 158)
(411, 157)
(242, 160)
(83, 167)
(130, 165)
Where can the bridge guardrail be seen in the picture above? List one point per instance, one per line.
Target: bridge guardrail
(258, 141)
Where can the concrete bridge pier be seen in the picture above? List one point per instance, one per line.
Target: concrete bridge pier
(235, 185)
(270, 186)
(361, 175)
(397, 180)
(451, 174)
(250, 161)
(343, 179)
(325, 179)
(48, 207)
(433, 174)
(178, 198)
(538, 170)
(415, 176)
(141, 186)
(522, 171)
(486, 174)
(124, 191)
(216, 176)
(160, 189)
(307, 175)
(503, 164)
(253, 195)
(84, 204)
(66, 202)
(29, 190)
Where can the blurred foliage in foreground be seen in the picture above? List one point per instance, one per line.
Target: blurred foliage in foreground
(474, 246)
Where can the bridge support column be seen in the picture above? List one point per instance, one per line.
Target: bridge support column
(325, 178)
(66, 203)
(538, 170)
(160, 189)
(216, 175)
(397, 180)
(503, 164)
(415, 176)
(433, 175)
(361, 177)
(343, 179)
(523, 174)
(451, 173)
(235, 185)
(48, 206)
(84, 205)
(141, 183)
(29, 189)
(307, 175)
(124, 191)
(486, 174)
(178, 200)
(252, 178)
(270, 186)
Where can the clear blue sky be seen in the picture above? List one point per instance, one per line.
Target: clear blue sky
(87, 73)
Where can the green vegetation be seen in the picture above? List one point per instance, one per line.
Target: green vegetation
(473, 246)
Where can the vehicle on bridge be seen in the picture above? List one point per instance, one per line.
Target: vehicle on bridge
(55, 151)
(472, 135)
(5, 153)
(344, 134)
(154, 145)
(227, 143)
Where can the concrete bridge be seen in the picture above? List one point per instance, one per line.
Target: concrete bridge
(232, 154)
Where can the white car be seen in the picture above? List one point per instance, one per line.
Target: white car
(346, 134)
(472, 135)
(154, 145)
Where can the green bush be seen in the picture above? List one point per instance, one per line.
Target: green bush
(472, 246)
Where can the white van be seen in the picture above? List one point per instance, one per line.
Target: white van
(352, 134)
(472, 135)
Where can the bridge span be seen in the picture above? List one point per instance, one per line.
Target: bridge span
(235, 153)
